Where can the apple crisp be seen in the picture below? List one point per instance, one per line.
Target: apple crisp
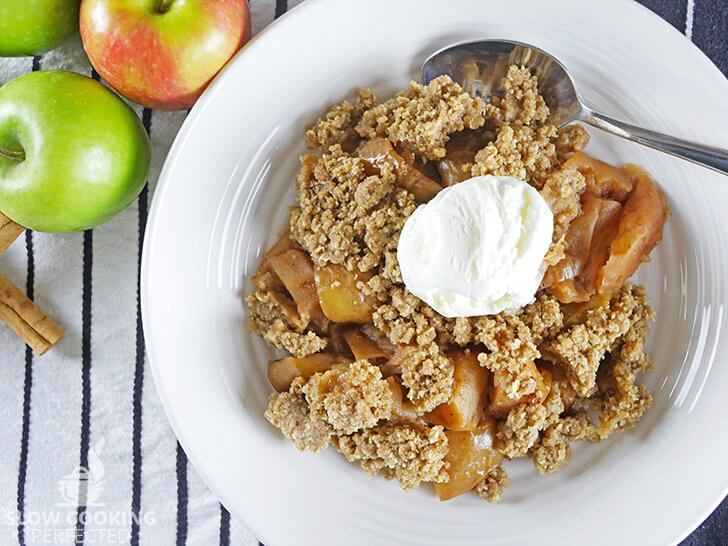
(405, 392)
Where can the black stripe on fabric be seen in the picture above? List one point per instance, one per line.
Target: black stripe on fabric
(27, 379)
(136, 443)
(281, 8)
(27, 391)
(710, 30)
(88, 243)
(224, 526)
(673, 11)
(181, 496)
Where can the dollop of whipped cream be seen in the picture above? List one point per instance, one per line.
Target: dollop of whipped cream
(477, 247)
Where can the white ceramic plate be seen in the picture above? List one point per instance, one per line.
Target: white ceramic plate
(223, 196)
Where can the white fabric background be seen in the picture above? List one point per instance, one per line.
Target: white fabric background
(57, 391)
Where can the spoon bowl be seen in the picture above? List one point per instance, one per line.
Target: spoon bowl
(479, 67)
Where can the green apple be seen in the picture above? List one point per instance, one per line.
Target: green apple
(29, 27)
(72, 153)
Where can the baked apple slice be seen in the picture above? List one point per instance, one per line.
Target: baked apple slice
(470, 459)
(281, 373)
(470, 388)
(362, 347)
(588, 245)
(295, 270)
(402, 408)
(640, 230)
(602, 179)
(501, 404)
(378, 149)
(340, 299)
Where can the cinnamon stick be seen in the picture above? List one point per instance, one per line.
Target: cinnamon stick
(30, 323)
(9, 231)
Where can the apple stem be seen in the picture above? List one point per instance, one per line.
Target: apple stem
(10, 154)
(162, 6)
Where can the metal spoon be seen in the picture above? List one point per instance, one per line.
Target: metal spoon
(479, 66)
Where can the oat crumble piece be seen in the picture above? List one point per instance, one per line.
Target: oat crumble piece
(552, 451)
(521, 102)
(572, 138)
(349, 399)
(491, 488)
(406, 319)
(562, 191)
(511, 350)
(525, 143)
(289, 412)
(345, 216)
(582, 347)
(423, 117)
(277, 321)
(543, 317)
(411, 454)
(519, 432)
(428, 374)
(524, 152)
(624, 402)
(337, 125)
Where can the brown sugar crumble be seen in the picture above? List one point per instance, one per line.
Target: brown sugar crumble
(423, 117)
(280, 325)
(289, 412)
(373, 367)
(349, 400)
(428, 376)
(408, 453)
(491, 488)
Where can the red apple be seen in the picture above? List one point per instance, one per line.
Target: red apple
(162, 53)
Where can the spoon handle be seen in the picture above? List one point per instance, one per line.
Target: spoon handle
(707, 156)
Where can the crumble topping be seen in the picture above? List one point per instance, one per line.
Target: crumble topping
(562, 191)
(423, 117)
(408, 453)
(522, 104)
(543, 317)
(407, 319)
(520, 431)
(337, 125)
(289, 412)
(582, 347)
(623, 401)
(572, 138)
(511, 348)
(428, 374)
(553, 449)
(491, 488)
(525, 145)
(351, 399)
(345, 216)
(524, 152)
(279, 324)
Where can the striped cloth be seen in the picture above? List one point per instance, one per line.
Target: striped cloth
(90, 402)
